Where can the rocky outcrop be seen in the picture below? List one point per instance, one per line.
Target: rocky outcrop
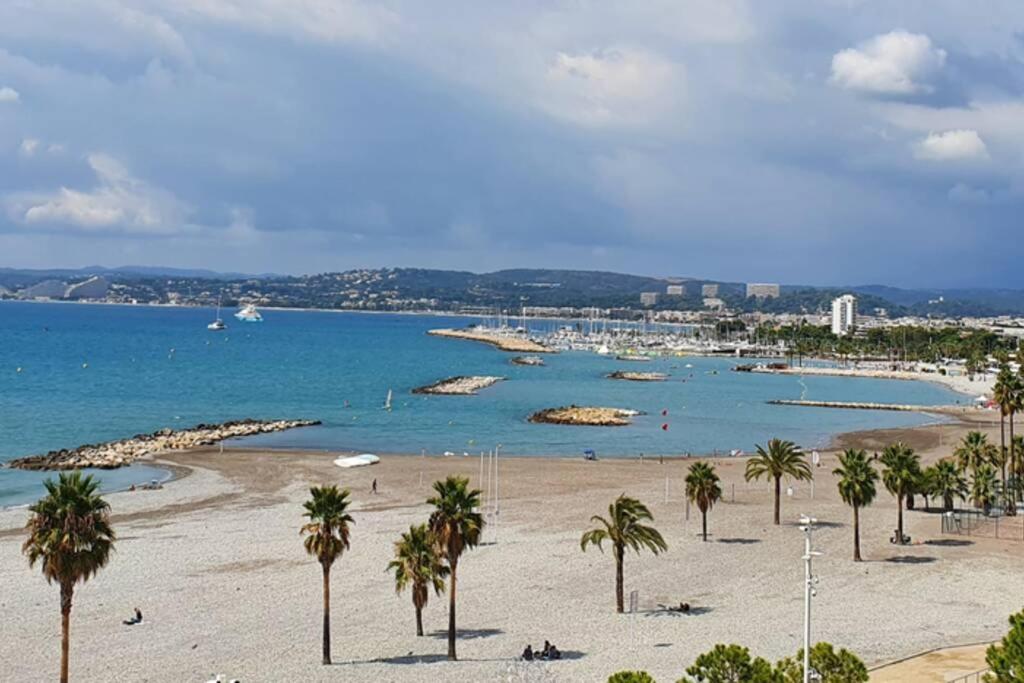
(638, 376)
(113, 454)
(527, 360)
(458, 386)
(584, 415)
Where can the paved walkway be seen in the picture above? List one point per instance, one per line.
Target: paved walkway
(939, 666)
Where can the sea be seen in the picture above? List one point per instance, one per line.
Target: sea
(72, 374)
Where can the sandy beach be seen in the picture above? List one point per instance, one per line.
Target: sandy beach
(215, 562)
(979, 385)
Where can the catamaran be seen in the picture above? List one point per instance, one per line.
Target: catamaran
(249, 314)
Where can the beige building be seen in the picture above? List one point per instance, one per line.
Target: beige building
(648, 298)
(709, 291)
(675, 290)
(762, 290)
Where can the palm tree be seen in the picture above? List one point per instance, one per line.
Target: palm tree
(974, 451)
(69, 534)
(417, 564)
(781, 458)
(326, 538)
(1004, 395)
(623, 529)
(984, 487)
(455, 525)
(947, 483)
(901, 473)
(857, 480)
(702, 488)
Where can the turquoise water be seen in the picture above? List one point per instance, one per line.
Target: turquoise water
(95, 373)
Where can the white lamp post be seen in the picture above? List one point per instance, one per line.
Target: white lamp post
(810, 581)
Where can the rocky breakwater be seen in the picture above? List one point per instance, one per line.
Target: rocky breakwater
(113, 454)
(458, 386)
(527, 360)
(638, 376)
(505, 342)
(584, 415)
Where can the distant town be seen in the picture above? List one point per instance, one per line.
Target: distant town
(556, 294)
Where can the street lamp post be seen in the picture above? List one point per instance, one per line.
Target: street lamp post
(810, 581)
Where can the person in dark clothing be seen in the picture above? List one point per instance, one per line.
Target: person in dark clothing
(528, 653)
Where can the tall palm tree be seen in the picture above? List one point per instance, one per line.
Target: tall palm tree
(947, 483)
(901, 474)
(1016, 404)
(702, 488)
(984, 487)
(1004, 395)
(974, 451)
(455, 526)
(780, 458)
(624, 528)
(326, 538)
(70, 536)
(418, 565)
(857, 479)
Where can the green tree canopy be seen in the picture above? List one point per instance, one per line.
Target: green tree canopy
(833, 667)
(731, 664)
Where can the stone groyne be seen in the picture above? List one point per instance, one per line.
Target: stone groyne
(853, 405)
(458, 386)
(527, 360)
(584, 415)
(503, 342)
(113, 454)
(638, 376)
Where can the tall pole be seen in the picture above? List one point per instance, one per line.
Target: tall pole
(807, 526)
(497, 503)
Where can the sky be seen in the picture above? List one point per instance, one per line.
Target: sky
(824, 142)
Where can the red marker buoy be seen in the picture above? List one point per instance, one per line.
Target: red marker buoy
(664, 427)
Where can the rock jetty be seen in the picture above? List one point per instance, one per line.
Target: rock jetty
(501, 341)
(527, 360)
(638, 376)
(458, 386)
(584, 415)
(114, 454)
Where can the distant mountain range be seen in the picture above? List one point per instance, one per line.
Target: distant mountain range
(405, 288)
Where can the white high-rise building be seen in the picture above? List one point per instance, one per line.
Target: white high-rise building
(844, 315)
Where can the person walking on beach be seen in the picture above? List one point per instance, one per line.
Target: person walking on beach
(373, 487)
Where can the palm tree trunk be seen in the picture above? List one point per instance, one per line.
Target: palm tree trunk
(619, 552)
(1013, 468)
(947, 503)
(453, 563)
(1002, 446)
(778, 485)
(327, 613)
(899, 520)
(419, 620)
(856, 534)
(66, 591)
(704, 524)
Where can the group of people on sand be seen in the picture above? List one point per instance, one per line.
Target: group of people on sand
(549, 652)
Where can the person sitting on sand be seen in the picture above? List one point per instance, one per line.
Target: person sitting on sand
(528, 653)
(137, 619)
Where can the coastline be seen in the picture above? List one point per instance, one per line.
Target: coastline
(217, 584)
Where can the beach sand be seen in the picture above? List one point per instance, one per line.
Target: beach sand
(216, 564)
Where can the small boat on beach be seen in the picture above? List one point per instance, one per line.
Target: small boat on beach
(249, 314)
(357, 461)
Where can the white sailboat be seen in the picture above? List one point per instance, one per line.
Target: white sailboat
(387, 402)
(217, 325)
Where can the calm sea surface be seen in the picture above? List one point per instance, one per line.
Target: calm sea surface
(95, 373)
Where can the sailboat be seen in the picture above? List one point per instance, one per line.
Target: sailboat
(217, 325)
(387, 402)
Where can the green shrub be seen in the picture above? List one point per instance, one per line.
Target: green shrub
(630, 677)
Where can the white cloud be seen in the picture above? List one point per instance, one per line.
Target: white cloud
(8, 94)
(325, 20)
(613, 86)
(28, 146)
(120, 202)
(952, 145)
(894, 63)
